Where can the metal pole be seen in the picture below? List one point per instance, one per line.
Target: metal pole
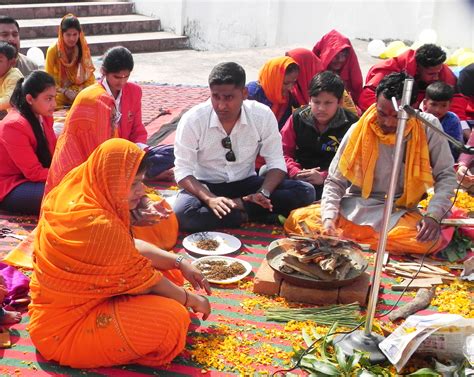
(402, 119)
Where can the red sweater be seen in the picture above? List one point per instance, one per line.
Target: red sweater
(19, 162)
(403, 62)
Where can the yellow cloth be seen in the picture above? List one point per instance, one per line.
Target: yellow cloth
(76, 74)
(88, 308)
(358, 160)
(7, 85)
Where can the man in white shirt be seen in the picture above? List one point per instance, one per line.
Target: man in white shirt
(215, 149)
(10, 32)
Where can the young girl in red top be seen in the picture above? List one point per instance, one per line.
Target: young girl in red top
(27, 142)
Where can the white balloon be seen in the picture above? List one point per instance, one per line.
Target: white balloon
(428, 36)
(35, 54)
(376, 47)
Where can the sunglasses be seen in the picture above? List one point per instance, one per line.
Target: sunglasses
(227, 144)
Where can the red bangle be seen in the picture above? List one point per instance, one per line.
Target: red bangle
(186, 299)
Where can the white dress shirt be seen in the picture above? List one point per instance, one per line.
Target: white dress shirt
(198, 145)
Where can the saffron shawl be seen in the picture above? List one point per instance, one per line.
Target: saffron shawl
(358, 160)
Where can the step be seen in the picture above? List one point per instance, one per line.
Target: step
(130, 23)
(135, 42)
(58, 10)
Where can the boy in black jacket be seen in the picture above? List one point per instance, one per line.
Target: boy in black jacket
(313, 133)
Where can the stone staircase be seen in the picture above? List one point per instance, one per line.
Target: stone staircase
(105, 24)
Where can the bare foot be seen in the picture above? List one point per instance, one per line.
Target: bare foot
(10, 317)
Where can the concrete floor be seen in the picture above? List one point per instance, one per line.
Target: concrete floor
(190, 67)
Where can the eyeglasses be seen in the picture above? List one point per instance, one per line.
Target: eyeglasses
(227, 144)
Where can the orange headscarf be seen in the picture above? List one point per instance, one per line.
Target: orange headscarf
(358, 160)
(76, 71)
(271, 77)
(87, 125)
(83, 245)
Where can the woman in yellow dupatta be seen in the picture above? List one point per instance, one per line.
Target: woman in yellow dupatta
(97, 296)
(69, 61)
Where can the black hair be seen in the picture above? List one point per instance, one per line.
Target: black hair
(466, 80)
(227, 73)
(117, 59)
(430, 55)
(8, 50)
(326, 81)
(72, 22)
(292, 67)
(9, 20)
(439, 91)
(34, 84)
(144, 163)
(392, 86)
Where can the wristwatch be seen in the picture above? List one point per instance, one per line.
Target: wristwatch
(264, 192)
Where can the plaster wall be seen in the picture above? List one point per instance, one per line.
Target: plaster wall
(230, 24)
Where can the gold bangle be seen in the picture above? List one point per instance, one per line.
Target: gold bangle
(186, 297)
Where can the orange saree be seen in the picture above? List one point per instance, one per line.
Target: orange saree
(88, 124)
(87, 306)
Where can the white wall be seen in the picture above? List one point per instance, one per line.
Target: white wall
(228, 24)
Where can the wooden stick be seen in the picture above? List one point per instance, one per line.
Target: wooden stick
(422, 300)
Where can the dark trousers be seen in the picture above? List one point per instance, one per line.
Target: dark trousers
(25, 198)
(193, 215)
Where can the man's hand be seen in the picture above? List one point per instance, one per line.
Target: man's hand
(149, 212)
(260, 199)
(329, 227)
(195, 277)
(314, 176)
(221, 206)
(199, 304)
(428, 229)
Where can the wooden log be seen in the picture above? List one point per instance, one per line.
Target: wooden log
(422, 300)
(417, 283)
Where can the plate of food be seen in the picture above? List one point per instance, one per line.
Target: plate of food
(223, 270)
(211, 243)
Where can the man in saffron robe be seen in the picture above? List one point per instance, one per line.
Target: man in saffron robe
(354, 192)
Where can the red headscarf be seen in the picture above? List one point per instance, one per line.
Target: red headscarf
(328, 47)
(309, 65)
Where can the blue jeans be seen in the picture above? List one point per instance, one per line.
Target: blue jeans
(25, 198)
(193, 215)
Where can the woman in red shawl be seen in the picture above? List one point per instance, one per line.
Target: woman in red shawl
(310, 65)
(337, 54)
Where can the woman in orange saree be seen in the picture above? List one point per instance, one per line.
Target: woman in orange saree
(93, 119)
(97, 296)
(69, 61)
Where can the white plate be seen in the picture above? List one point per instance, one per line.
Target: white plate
(229, 260)
(227, 243)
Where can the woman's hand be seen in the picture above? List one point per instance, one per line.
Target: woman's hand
(195, 277)
(199, 304)
(149, 212)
